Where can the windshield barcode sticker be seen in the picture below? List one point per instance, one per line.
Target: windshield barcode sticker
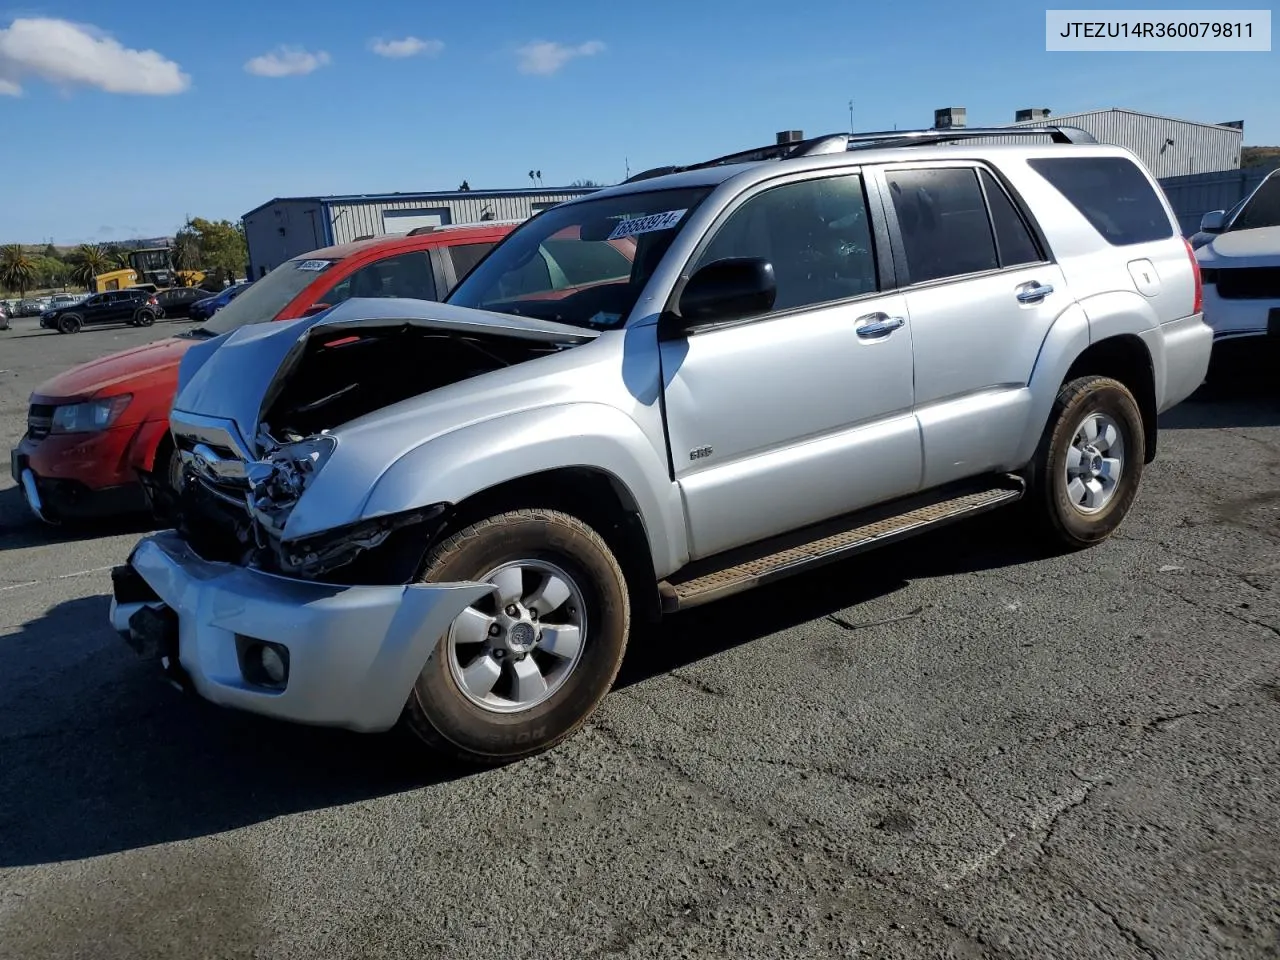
(314, 264)
(648, 224)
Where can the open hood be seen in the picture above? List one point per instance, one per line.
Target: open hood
(239, 376)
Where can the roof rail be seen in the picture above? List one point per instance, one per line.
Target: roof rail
(843, 142)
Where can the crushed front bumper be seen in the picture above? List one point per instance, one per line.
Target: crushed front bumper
(353, 653)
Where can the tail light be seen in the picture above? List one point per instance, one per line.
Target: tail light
(1195, 270)
(153, 301)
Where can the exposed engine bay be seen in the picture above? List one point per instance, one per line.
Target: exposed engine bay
(236, 511)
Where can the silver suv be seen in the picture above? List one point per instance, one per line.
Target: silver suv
(679, 388)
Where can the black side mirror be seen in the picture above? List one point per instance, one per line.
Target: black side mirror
(725, 290)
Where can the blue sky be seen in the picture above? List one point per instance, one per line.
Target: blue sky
(645, 83)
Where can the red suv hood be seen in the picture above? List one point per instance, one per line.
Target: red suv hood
(111, 374)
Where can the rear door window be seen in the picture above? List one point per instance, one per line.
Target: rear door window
(406, 275)
(1112, 194)
(944, 224)
(1014, 242)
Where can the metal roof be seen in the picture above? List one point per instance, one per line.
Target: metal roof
(426, 195)
(1049, 121)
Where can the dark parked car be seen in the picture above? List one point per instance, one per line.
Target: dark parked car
(176, 301)
(206, 308)
(136, 307)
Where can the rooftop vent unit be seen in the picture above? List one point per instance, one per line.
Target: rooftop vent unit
(790, 136)
(948, 118)
(1031, 113)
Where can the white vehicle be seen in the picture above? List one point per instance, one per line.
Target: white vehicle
(1241, 266)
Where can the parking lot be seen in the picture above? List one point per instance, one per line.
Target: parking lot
(958, 747)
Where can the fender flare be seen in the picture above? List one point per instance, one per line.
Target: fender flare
(471, 459)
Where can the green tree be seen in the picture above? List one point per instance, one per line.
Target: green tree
(50, 271)
(217, 246)
(51, 252)
(119, 257)
(88, 261)
(17, 271)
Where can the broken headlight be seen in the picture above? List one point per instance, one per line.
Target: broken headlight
(278, 480)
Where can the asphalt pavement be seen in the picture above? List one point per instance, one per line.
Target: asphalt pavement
(959, 747)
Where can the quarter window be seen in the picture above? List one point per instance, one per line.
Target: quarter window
(467, 255)
(943, 221)
(1112, 194)
(815, 233)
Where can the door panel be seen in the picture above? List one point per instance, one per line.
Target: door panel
(977, 325)
(784, 422)
(792, 417)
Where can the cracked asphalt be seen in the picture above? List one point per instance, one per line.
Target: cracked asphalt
(959, 747)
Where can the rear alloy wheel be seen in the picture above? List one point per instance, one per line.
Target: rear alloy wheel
(1090, 461)
(144, 318)
(522, 669)
(69, 323)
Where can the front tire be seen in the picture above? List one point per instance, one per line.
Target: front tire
(523, 670)
(1090, 462)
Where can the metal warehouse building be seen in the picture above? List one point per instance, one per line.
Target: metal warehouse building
(290, 226)
(1169, 147)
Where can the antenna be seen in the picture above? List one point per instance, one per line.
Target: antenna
(851, 116)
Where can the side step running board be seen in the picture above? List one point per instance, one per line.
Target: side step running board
(738, 570)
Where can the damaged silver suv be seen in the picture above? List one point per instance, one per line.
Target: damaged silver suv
(678, 388)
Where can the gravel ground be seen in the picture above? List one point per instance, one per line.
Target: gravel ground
(958, 747)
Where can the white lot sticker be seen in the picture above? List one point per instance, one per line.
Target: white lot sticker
(316, 265)
(654, 221)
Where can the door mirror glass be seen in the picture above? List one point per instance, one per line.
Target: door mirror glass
(727, 289)
(1213, 221)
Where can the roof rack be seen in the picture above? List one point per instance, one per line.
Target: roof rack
(881, 139)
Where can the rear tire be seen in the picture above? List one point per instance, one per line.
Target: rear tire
(144, 318)
(70, 323)
(1089, 464)
(572, 597)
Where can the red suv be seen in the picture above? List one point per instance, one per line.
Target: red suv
(92, 429)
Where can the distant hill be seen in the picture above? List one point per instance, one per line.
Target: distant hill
(1260, 156)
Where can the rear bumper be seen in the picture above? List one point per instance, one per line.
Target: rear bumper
(1186, 346)
(353, 653)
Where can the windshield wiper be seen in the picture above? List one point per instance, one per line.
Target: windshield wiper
(199, 333)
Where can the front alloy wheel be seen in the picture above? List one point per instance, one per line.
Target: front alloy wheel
(525, 667)
(516, 648)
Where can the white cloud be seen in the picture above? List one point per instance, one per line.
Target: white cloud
(545, 57)
(408, 47)
(287, 62)
(73, 54)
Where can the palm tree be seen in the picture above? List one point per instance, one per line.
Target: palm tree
(120, 258)
(89, 261)
(17, 271)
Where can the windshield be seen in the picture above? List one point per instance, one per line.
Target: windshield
(264, 299)
(1263, 208)
(580, 263)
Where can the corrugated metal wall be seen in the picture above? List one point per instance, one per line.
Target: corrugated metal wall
(353, 219)
(1193, 197)
(280, 231)
(1196, 147)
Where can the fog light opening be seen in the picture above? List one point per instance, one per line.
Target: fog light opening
(264, 664)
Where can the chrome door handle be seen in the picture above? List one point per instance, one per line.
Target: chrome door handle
(879, 325)
(1033, 292)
